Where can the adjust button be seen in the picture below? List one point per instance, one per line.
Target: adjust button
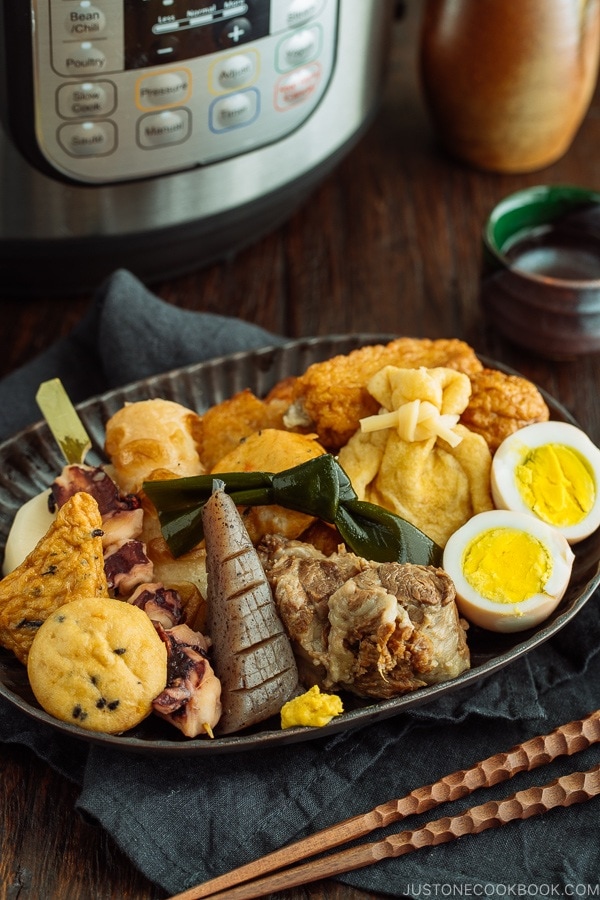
(88, 138)
(234, 71)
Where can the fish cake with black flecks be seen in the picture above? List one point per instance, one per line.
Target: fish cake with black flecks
(66, 564)
(98, 663)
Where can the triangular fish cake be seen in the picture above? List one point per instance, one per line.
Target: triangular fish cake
(67, 564)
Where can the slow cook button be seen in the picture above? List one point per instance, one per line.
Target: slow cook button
(234, 110)
(88, 98)
(88, 138)
(164, 89)
(297, 86)
(168, 127)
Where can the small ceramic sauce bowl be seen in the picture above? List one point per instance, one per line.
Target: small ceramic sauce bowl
(540, 282)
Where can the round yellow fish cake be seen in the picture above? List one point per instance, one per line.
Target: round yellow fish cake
(98, 663)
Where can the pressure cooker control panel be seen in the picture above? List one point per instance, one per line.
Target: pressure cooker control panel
(127, 89)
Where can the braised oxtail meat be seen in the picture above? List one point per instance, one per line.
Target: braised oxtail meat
(127, 567)
(161, 604)
(191, 698)
(376, 629)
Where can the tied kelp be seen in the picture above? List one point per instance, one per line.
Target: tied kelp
(318, 487)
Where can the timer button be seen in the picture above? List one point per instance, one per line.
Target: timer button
(234, 110)
(88, 138)
(85, 20)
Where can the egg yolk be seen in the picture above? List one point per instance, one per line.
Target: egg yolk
(506, 565)
(311, 708)
(556, 484)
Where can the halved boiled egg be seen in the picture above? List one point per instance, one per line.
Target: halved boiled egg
(550, 470)
(30, 524)
(510, 569)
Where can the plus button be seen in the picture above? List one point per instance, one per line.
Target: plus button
(237, 30)
(236, 33)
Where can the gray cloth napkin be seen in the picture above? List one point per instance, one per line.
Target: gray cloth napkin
(184, 821)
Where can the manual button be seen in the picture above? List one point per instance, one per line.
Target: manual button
(88, 138)
(159, 129)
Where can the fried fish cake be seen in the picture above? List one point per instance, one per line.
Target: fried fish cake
(332, 396)
(272, 450)
(67, 563)
(98, 663)
(223, 426)
(501, 404)
(152, 434)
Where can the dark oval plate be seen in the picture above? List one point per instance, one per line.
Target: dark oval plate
(30, 461)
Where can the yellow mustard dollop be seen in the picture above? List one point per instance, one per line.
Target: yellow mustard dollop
(311, 708)
(556, 484)
(506, 565)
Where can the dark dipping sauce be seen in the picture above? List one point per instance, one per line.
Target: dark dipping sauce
(567, 249)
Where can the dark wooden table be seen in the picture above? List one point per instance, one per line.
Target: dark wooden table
(390, 242)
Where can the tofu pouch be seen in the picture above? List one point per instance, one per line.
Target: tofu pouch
(414, 458)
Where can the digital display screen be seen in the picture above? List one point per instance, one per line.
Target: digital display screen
(160, 31)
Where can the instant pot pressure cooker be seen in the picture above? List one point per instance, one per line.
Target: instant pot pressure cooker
(161, 135)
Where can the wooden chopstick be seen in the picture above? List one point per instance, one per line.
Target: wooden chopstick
(531, 754)
(565, 791)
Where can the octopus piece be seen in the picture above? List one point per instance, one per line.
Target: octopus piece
(161, 604)
(375, 629)
(122, 514)
(127, 567)
(191, 700)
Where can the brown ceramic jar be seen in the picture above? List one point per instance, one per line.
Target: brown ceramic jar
(508, 82)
